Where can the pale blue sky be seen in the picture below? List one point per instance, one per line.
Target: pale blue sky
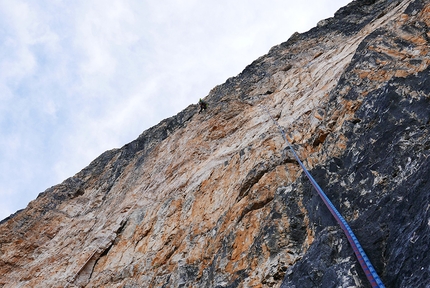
(81, 77)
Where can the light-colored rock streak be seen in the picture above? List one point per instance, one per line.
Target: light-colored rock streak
(198, 202)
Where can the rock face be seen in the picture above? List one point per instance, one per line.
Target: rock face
(217, 200)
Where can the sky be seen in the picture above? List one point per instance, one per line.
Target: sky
(81, 77)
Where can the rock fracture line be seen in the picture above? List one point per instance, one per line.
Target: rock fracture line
(364, 261)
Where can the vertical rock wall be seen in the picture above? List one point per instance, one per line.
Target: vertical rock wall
(216, 200)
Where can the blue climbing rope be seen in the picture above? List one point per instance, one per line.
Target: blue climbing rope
(364, 261)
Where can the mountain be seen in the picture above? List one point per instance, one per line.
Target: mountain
(217, 199)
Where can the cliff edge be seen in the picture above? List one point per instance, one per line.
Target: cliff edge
(217, 200)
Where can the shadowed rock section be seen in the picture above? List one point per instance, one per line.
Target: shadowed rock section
(216, 200)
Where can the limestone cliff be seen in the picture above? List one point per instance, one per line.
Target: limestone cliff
(216, 199)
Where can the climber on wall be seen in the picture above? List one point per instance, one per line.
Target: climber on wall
(203, 105)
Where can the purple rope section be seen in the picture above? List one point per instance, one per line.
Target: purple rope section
(364, 261)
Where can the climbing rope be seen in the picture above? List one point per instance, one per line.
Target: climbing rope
(364, 261)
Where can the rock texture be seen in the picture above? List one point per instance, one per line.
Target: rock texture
(216, 200)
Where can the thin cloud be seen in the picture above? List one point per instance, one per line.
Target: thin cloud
(84, 77)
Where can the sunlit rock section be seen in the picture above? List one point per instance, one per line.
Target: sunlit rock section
(216, 199)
